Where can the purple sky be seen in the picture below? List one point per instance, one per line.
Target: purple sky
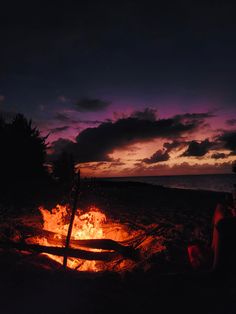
(82, 66)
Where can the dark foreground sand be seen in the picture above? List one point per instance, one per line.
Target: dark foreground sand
(168, 285)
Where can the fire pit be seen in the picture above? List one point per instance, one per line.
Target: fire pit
(92, 232)
(97, 243)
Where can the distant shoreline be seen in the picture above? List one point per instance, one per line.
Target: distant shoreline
(213, 182)
(169, 175)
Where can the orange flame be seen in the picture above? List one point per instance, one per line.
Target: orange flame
(94, 224)
(90, 225)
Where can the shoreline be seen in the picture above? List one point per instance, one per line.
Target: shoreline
(212, 182)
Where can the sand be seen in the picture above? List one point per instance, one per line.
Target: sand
(168, 284)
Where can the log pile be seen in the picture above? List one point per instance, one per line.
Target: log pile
(81, 249)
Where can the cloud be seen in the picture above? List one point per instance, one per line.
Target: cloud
(116, 163)
(95, 144)
(194, 116)
(179, 169)
(231, 122)
(163, 155)
(228, 140)
(65, 118)
(62, 117)
(59, 129)
(219, 156)
(169, 146)
(198, 149)
(91, 121)
(158, 156)
(91, 104)
(147, 114)
(58, 146)
(101, 166)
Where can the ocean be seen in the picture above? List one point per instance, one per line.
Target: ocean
(210, 182)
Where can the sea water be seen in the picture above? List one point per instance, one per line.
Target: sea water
(210, 182)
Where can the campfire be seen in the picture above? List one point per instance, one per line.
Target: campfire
(91, 232)
(97, 243)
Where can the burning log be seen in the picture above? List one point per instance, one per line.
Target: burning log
(113, 248)
(60, 251)
(90, 241)
(102, 244)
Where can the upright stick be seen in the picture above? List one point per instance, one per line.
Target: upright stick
(74, 207)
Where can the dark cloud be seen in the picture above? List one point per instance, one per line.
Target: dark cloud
(158, 156)
(58, 146)
(102, 166)
(93, 166)
(179, 169)
(194, 116)
(169, 146)
(91, 121)
(146, 114)
(91, 104)
(59, 129)
(62, 117)
(65, 118)
(228, 140)
(198, 149)
(186, 168)
(94, 144)
(231, 122)
(219, 156)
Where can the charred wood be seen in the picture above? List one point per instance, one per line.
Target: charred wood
(104, 244)
(60, 251)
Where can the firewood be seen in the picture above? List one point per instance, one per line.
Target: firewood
(113, 249)
(60, 251)
(104, 244)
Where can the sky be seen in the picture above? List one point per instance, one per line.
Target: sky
(129, 87)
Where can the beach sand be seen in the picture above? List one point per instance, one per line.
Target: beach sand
(168, 284)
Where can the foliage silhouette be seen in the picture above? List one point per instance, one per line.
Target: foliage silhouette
(24, 176)
(23, 150)
(64, 168)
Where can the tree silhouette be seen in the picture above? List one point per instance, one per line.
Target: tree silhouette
(64, 168)
(23, 150)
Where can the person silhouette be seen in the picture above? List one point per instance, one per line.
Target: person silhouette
(221, 255)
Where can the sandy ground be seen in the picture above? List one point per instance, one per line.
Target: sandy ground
(168, 285)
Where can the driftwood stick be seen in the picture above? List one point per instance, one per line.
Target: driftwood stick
(74, 207)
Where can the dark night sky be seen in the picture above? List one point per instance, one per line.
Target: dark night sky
(80, 64)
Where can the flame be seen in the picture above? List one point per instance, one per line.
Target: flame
(90, 225)
(86, 226)
(93, 224)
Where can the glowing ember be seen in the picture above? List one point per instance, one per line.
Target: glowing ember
(86, 226)
(90, 225)
(115, 238)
